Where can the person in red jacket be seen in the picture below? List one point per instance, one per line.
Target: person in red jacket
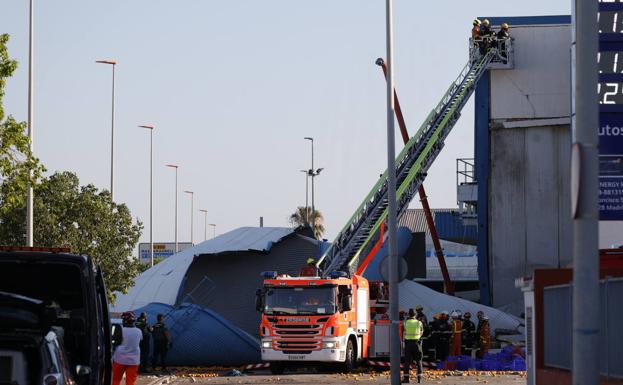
(310, 270)
(457, 327)
(483, 333)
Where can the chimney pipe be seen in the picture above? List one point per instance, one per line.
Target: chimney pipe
(261, 221)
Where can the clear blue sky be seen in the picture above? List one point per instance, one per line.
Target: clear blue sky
(232, 88)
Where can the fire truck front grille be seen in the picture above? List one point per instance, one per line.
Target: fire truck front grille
(300, 346)
(300, 330)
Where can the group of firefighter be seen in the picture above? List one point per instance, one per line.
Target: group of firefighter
(484, 37)
(446, 335)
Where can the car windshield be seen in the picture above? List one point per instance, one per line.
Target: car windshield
(300, 300)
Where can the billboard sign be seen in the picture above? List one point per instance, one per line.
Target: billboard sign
(161, 250)
(610, 91)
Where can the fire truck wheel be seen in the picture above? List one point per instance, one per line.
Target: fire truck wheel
(351, 360)
(276, 368)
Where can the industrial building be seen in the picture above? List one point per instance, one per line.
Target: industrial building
(522, 161)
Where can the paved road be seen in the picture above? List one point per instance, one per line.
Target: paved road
(217, 378)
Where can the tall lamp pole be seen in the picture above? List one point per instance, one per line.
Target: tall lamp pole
(112, 128)
(205, 224)
(30, 193)
(311, 173)
(213, 229)
(192, 213)
(394, 343)
(151, 191)
(176, 188)
(306, 196)
(585, 193)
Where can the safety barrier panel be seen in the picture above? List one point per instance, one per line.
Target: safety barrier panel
(557, 327)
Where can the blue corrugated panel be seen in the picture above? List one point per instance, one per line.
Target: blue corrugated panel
(202, 337)
(450, 227)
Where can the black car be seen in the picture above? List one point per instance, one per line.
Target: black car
(69, 300)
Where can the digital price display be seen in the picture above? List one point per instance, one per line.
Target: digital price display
(610, 91)
(610, 22)
(610, 62)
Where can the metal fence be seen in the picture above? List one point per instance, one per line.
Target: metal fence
(557, 323)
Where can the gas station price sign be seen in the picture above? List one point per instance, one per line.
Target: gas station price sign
(610, 96)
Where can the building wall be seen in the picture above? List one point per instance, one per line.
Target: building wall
(233, 278)
(529, 224)
(539, 86)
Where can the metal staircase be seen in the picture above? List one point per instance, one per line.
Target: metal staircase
(361, 232)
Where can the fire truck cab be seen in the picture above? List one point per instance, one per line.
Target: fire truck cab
(314, 320)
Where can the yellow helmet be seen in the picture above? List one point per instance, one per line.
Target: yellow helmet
(310, 260)
(485, 22)
(476, 22)
(504, 25)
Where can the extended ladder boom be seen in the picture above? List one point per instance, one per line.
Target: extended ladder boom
(356, 238)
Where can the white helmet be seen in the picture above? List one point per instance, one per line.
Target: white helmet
(455, 314)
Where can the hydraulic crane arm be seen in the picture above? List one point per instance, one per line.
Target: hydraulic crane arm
(361, 232)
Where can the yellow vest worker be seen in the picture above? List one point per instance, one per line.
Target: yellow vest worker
(413, 330)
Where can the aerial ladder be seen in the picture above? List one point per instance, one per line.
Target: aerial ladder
(363, 234)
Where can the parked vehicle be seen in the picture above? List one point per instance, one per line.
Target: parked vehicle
(31, 351)
(66, 296)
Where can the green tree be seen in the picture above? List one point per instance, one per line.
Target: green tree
(83, 219)
(302, 214)
(16, 159)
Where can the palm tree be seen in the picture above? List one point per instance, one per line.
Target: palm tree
(300, 216)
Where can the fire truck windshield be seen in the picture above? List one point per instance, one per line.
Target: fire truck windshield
(300, 300)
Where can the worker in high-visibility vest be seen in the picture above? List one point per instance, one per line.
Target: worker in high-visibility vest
(413, 330)
(457, 326)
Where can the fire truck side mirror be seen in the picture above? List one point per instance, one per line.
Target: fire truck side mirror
(259, 300)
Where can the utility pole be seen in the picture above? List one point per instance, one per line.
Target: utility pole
(151, 191)
(311, 173)
(176, 188)
(31, 112)
(113, 63)
(205, 224)
(306, 196)
(394, 342)
(192, 214)
(585, 193)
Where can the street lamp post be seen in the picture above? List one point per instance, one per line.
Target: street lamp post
(192, 213)
(151, 191)
(306, 196)
(313, 173)
(112, 129)
(394, 336)
(30, 193)
(176, 188)
(205, 224)
(213, 229)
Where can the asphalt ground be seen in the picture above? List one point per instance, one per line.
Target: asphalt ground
(187, 376)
